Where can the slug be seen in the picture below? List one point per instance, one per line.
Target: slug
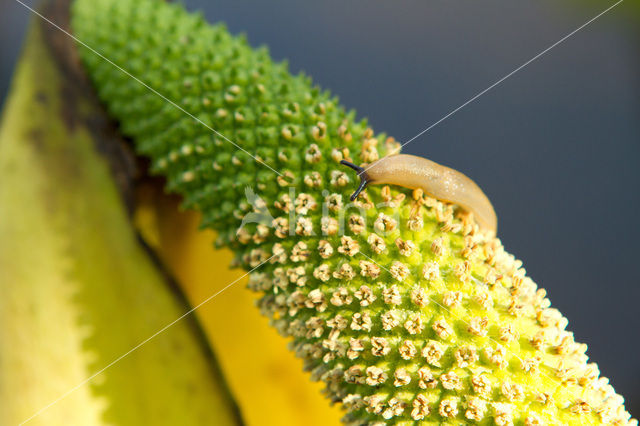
(436, 180)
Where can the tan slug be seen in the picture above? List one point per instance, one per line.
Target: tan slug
(434, 179)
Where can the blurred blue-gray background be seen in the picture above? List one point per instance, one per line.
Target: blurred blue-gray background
(556, 146)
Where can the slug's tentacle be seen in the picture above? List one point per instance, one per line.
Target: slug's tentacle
(434, 179)
(362, 174)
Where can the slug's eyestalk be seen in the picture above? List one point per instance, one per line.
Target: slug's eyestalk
(362, 174)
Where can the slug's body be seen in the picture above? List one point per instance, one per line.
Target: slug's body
(434, 179)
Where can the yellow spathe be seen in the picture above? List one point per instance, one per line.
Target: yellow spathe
(266, 378)
(77, 290)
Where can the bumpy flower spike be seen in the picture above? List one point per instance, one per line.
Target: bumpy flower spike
(361, 298)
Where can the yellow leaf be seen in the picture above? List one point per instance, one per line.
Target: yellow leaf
(77, 289)
(266, 378)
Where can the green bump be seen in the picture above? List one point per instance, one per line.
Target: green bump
(406, 310)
